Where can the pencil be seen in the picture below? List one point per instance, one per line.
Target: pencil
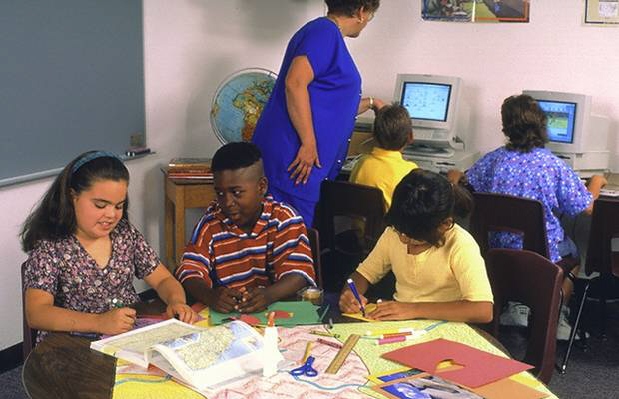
(390, 332)
(324, 334)
(308, 349)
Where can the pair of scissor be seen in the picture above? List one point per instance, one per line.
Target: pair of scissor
(305, 369)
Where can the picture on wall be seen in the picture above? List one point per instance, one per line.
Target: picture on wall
(602, 12)
(476, 10)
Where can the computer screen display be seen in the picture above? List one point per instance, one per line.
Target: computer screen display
(561, 120)
(426, 101)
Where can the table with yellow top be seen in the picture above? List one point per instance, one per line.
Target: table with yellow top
(64, 366)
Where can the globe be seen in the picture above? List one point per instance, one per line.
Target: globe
(238, 103)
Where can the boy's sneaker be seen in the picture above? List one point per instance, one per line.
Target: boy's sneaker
(516, 314)
(564, 329)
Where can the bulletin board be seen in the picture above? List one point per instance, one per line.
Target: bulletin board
(72, 80)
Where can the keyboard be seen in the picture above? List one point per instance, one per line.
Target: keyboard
(350, 162)
(423, 134)
(607, 192)
(427, 151)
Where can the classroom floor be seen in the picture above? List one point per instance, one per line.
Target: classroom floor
(590, 374)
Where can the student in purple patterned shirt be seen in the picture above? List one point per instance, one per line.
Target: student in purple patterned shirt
(83, 254)
(524, 168)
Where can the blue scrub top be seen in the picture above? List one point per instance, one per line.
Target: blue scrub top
(334, 94)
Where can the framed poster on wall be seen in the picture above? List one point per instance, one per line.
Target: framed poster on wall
(475, 10)
(602, 12)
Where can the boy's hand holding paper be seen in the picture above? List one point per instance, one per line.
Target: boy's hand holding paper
(254, 299)
(225, 300)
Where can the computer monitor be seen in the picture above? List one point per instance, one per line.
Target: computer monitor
(568, 117)
(431, 100)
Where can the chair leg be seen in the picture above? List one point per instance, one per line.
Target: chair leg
(575, 327)
(606, 287)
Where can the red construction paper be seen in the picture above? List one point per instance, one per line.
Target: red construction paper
(478, 367)
(281, 314)
(249, 319)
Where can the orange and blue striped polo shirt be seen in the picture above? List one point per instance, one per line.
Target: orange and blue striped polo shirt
(221, 254)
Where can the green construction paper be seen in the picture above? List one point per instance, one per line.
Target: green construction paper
(304, 312)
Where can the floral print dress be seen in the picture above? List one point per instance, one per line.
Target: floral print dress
(64, 269)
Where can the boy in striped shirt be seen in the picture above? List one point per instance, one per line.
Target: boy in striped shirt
(248, 250)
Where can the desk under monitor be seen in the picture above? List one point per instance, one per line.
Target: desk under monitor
(436, 159)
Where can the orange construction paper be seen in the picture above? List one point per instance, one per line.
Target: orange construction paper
(508, 389)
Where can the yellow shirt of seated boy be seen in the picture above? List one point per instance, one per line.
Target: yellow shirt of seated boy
(382, 169)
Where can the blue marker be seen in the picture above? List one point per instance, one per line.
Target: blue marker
(353, 288)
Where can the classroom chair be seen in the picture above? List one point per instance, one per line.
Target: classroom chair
(524, 216)
(314, 240)
(601, 257)
(527, 277)
(349, 218)
(507, 213)
(30, 334)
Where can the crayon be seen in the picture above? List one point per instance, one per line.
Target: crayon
(401, 338)
(329, 343)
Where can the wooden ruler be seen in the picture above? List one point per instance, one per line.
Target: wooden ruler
(342, 354)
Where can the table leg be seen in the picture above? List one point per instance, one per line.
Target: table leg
(179, 227)
(170, 260)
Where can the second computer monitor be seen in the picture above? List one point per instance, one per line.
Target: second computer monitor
(568, 119)
(431, 100)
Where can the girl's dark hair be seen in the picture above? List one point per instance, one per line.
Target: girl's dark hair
(524, 123)
(348, 7)
(54, 216)
(392, 127)
(422, 201)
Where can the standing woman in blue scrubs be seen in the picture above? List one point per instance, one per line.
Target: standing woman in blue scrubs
(304, 129)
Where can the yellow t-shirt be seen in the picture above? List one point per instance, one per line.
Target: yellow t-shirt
(453, 272)
(382, 169)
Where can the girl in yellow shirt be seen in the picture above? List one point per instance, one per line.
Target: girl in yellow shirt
(439, 271)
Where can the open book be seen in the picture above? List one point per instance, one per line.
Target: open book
(199, 357)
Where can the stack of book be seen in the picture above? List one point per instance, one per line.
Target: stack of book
(190, 168)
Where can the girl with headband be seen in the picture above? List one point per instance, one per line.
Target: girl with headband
(83, 254)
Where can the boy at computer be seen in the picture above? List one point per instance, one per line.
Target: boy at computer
(247, 251)
(384, 167)
(439, 271)
(524, 168)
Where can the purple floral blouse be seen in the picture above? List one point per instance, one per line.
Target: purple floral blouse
(64, 269)
(539, 175)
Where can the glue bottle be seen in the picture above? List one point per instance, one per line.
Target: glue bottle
(271, 351)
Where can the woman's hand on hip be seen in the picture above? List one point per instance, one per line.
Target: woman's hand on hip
(301, 167)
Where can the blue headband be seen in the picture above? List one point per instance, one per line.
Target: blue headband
(89, 157)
